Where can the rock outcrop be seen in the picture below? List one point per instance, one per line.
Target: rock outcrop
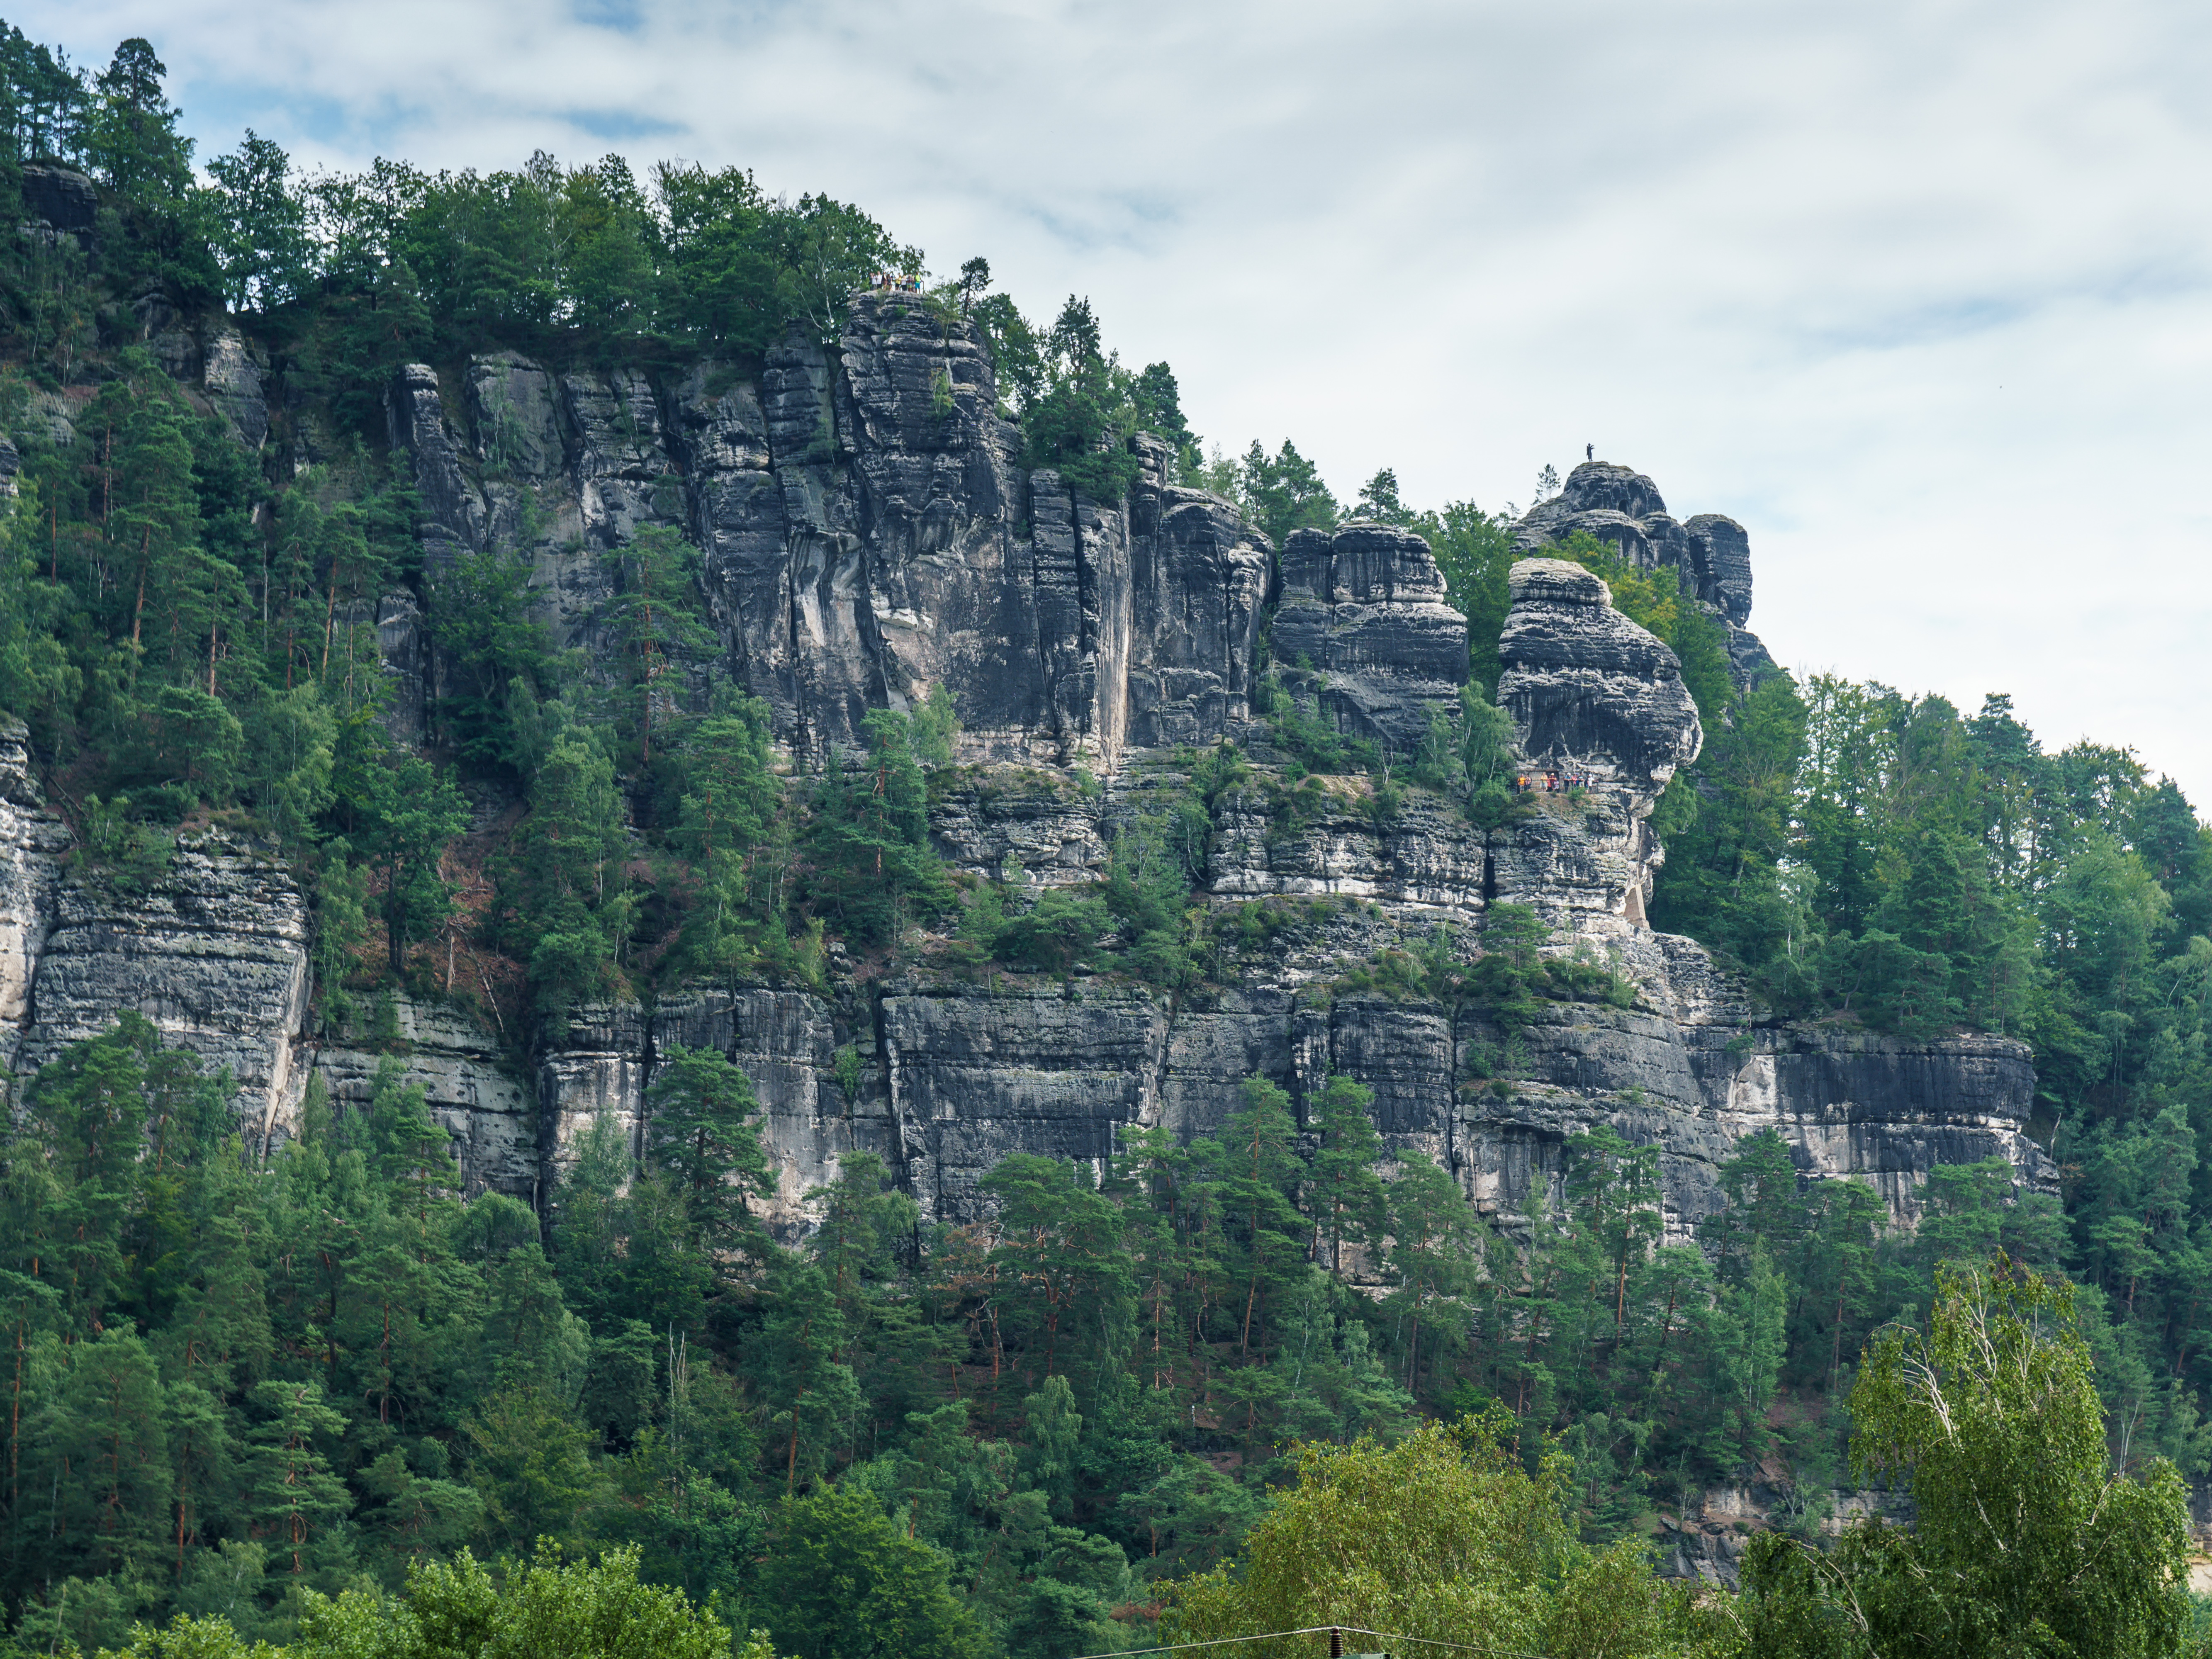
(1596, 699)
(869, 536)
(212, 950)
(1366, 607)
(59, 199)
(1619, 505)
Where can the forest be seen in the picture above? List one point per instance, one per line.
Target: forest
(305, 1392)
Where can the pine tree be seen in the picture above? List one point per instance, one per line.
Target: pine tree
(1259, 1173)
(291, 1491)
(1345, 1194)
(702, 1131)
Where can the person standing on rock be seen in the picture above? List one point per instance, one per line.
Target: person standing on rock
(1590, 452)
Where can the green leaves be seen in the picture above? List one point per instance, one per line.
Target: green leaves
(541, 1604)
(1284, 492)
(840, 1582)
(261, 226)
(701, 1132)
(294, 1494)
(875, 873)
(2024, 1539)
(413, 812)
(1442, 1537)
(1079, 416)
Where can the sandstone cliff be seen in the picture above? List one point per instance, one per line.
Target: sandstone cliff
(1617, 505)
(868, 535)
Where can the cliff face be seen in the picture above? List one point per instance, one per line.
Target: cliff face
(867, 536)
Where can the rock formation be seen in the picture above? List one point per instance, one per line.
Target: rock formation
(868, 535)
(1617, 505)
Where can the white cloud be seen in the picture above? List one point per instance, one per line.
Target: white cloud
(1917, 291)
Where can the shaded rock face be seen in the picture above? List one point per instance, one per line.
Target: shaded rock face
(1595, 697)
(215, 953)
(32, 841)
(1366, 607)
(59, 198)
(232, 382)
(482, 1105)
(1619, 505)
(957, 1075)
(1588, 688)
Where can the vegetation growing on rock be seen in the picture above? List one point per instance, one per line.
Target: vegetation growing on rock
(1294, 1072)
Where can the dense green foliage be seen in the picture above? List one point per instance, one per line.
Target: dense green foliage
(2024, 1539)
(1862, 856)
(1447, 1538)
(239, 1383)
(1867, 855)
(290, 1391)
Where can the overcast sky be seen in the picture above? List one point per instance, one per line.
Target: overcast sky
(1919, 293)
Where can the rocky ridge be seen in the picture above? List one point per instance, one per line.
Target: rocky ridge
(868, 535)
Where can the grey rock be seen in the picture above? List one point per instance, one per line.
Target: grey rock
(517, 420)
(1710, 554)
(232, 380)
(54, 411)
(869, 537)
(624, 477)
(1724, 562)
(215, 954)
(1857, 1104)
(1198, 578)
(178, 351)
(785, 1041)
(32, 842)
(1591, 694)
(466, 1085)
(595, 1066)
(59, 197)
(1009, 823)
(453, 504)
(1365, 608)
(975, 1076)
(1588, 688)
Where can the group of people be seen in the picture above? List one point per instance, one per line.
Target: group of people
(884, 283)
(1552, 783)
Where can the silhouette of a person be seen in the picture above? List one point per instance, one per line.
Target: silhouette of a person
(1590, 452)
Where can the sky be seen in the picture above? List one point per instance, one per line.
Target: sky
(1920, 294)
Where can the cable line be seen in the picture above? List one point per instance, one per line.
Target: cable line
(1316, 1630)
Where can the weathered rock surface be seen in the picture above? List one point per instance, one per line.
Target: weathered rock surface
(32, 841)
(482, 1105)
(1593, 697)
(868, 537)
(232, 382)
(59, 198)
(214, 954)
(1619, 505)
(1365, 606)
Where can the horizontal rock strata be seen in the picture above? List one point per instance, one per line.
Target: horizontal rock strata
(868, 537)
